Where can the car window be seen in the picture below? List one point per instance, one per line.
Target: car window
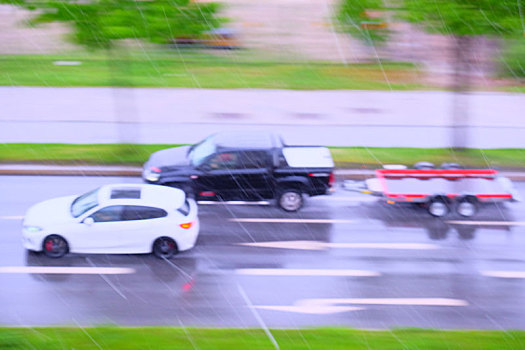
(108, 214)
(254, 159)
(137, 212)
(84, 203)
(225, 160)
(185, 208)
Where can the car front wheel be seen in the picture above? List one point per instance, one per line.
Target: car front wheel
(164, 248)
(55, 246)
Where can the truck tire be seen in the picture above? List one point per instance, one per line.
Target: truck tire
(438, 207)
(467, 207)
(290, 200)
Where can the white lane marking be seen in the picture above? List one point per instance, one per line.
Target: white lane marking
(258, 317)
(307, 272)
(504, 274)
(487, 223)
(352, 199)
(337, 305)
(234, 203)
(11, 217)
(292, 221)
(313, 309)
(68, 270)
(318, 245)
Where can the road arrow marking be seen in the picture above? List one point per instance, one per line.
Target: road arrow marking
(58, 270)
(307, 272)
(318, 245)
(487, 223)
(504, 274)
(292, 221)
(338, 305)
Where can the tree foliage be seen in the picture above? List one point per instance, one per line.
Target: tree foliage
(503, 18)
(98, 23)
(364, 19)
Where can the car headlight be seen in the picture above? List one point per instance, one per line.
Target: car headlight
(32, 229)
(152, 174)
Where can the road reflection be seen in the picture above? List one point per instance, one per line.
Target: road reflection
(413, 216)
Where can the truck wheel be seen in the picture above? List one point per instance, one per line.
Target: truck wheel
(467, 207)
(290, 200)
(438, 208)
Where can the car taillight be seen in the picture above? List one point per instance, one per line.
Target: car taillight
(331, 180)
(155, 169)
(186, 225)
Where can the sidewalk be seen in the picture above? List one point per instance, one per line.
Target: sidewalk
(112, 170)
(186, 116)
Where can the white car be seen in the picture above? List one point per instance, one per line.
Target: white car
(120, 219)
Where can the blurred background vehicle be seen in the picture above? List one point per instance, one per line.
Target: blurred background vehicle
(220, 38)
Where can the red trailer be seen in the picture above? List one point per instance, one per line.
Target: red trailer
(441, 190)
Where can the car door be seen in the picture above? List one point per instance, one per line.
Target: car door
(103, 235)
(216, 180)
(253, 176)
(143, 225)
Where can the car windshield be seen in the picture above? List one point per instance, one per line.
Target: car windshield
(84, 202)
(201, 151)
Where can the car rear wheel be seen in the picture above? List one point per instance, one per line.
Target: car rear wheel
(290, 200)
(164, 248)
(438, 208)
(55, 246)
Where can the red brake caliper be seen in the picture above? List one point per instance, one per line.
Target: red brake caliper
(49, 245)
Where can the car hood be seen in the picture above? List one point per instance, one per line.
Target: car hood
(176, 156)
(53, 211)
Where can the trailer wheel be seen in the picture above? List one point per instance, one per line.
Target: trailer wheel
(438, 207)
(467, 207)
(424, 165)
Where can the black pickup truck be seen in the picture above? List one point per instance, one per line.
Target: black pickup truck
(253, 166)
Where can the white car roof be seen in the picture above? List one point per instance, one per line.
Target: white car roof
(141, 194)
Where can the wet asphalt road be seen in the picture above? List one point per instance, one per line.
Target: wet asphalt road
(356, 270)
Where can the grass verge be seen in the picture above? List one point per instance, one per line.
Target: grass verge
(195, 70)
(355, 157)
(198, 338)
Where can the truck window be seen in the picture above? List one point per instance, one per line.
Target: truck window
(254, 159)
(201, 151)
(225, 160)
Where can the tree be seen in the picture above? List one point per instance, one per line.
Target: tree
(364, 19)
(460, 19)
(463, 20)
(97, 24)
(100, 24)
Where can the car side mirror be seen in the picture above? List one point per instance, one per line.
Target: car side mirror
(88, 221)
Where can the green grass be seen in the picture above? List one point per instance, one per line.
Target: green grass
(194, 70)
(355, 157)
(254, 339)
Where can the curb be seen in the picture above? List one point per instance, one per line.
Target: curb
(60, 170)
